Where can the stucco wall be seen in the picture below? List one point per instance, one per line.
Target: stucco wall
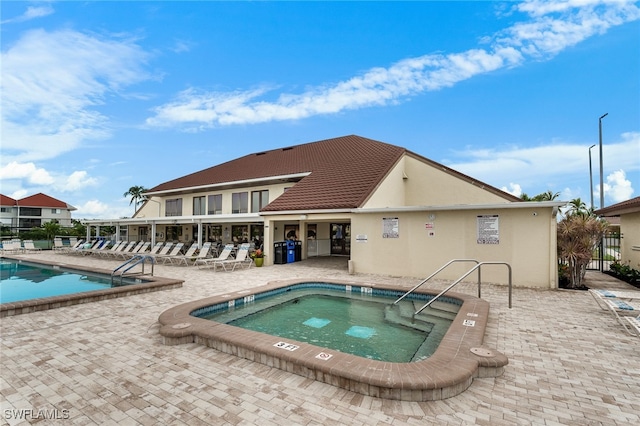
(527, 241)
(630, 230)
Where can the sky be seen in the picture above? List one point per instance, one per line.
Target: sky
(100, 96)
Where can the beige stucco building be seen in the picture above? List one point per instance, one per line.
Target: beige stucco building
(629, 214)
(390, 210)
(33, 211)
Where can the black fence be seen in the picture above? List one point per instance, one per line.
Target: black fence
(606, 253)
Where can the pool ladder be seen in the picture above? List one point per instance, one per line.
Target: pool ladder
(138, 259)
(478, 266)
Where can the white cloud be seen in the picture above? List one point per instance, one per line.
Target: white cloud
(28, 171)
(95, 209)
(32, 12)
(550, 28)
(76, 181)
(39, 179)
(514, 189)
(53, 82)
(547, 167)
(617, 187)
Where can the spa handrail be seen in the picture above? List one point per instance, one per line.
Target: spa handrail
(436, 273)
(478, 266)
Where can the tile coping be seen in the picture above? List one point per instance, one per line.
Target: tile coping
(460, 357)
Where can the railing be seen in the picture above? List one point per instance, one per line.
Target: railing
(436, 273)
(478, 266)
(133, 262)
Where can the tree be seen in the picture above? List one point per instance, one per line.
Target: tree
(545, 196)
(51, 229)
(579, 233)
(137, 196)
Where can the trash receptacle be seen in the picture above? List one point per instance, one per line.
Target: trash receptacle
(279, 252)
(298, 251)
(291, 251)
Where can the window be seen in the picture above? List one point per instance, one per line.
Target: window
(259, 199)
(173, 207)
(5, 209)
(199, 206)
(30, 211)
(215, 204)
(240, 202)
(55, 211)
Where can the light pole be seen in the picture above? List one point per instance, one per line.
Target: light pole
(591, 176)
(601, 171)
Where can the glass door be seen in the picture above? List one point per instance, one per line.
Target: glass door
(341, 239)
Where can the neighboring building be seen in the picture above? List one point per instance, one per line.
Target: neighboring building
(391, 211)
(33, 211)
(627, 214)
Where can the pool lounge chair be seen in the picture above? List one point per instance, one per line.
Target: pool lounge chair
(242, 260)
(139, 250)
(29, 247)
(623, 308)
(125, 254)
(167, 257)
(118, 245)
(85, 248)
(601, 296)
(163, 251)
(124, 248)
(634, 322)
(224, 255)
(191, 256)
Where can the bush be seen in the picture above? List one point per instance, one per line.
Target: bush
(625, 273)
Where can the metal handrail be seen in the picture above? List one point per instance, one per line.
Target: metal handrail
(134, 261)
(436, 273)
(478, 266)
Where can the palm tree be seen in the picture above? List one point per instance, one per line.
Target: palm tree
(137, 196)
(545, 196)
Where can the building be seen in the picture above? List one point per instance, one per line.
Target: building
(33, 211)
(390, 210)
(627, 216)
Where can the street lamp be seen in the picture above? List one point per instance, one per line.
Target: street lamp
(591, 176)
(601, 171)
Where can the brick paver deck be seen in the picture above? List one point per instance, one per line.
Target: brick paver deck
(103, 363)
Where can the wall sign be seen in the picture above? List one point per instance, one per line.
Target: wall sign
(488, 229)
(390, 227)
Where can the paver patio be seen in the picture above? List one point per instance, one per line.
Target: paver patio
(103, 363)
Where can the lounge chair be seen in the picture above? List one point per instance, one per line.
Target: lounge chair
(86, 248)
(203, 253)
(167, 257)
(224, 255)
(179, 259)
(163, 252)
(242, 260)
(114, 248)
(154, 250)
(634, 322)
(623, 308)
(601, 296)
(29, 247)
(98, 248)
(124, 248)
(58, 245)
(139, 250)
(12, 247)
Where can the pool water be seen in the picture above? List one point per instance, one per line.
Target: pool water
(21, 281)
(366, 326)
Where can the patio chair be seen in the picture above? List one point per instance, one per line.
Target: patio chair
(167, 257)
(635, 324)
(118, 245)
(623, 308)
(242, 260)
(163, 252)
(154, 250)
(138, 250)
(179, 259)
(124, 248)
(601, 295)
(58, 244)
(203, 253)
(224, 255)
(29, 247)
(85, 248)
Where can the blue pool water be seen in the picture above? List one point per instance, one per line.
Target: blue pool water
(362, 325)
(21, 281)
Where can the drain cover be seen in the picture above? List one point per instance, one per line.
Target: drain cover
(482, 352)
(182, 325)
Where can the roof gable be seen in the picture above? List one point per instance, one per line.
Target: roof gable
(7, 201)
(624, 207)
(43, 200)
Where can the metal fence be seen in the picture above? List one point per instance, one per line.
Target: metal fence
(606, 253)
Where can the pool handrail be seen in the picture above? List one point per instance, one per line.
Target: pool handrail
(138, 259)
(436, 273)
(478, 266)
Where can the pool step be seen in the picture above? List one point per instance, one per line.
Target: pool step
(403, 315)
(437, 309)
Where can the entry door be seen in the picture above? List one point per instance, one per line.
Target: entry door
(341, 239)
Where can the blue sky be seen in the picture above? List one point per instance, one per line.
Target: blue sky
(101, 96)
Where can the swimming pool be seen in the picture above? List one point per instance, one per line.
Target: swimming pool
(348, 320)
(27, 286)
(460, 356)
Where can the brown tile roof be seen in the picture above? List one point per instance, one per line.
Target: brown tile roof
(7, 201)
(343, 172)
(629, 206)
(43, 200)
